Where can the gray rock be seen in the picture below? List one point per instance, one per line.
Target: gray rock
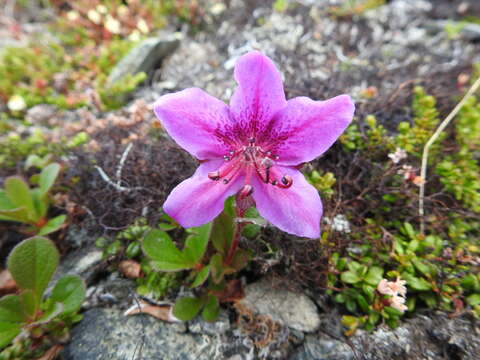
(419, 338)
(85, 263)
(144, 57)
(291, 309)
(469, 31)
(315, 347)
(200, 326)
(40, 114)
(105, 334)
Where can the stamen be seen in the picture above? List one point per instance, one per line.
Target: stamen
(214, 175)
(246, 191)
(286, 182)
(226, 181)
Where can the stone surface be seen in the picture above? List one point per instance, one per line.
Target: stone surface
(423, 337)
(144, 57)
(105, 334)
(291, 309)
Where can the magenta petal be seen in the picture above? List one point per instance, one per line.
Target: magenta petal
(259, 94)
(296, 210)
(305, 129)
(198, 199)
(192, 118)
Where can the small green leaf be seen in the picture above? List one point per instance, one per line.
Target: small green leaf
(187, 308)
(40, 202)
(196, 243)
(216, 268)
(369, 292)
(350, 277)
(393, 312)
(70, 291)
(351, 305)
(8, 332)
(374, 275)
(212, 309)
(223, 229)
(421, 266)
(52, 312)
(201, 277)
(52, 225)
(165, 255)
(240, 259)
(29, 304)
(133, 250)
(19, 195)
(32, 264)
(11, 309)
(473, 300)
(416, 283)
(18, 214)
(350, 321)
(47, 177)
(362, 302)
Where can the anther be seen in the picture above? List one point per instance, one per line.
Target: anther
(214, 175)
(287, 181)
(226, 181)
(246, 191)
(227, 158)
(251, 140)
(274, 182)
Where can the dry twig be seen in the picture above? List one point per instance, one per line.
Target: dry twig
(433, 138)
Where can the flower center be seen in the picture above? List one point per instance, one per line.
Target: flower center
(252, 160)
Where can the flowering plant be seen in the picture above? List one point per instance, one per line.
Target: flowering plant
(251, 149)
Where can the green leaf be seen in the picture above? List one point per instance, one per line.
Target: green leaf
(40, 202)
(471, 282)
(362, 302)
(70, 291)
(29, 303)
(350, 277)
(240, 259)
(52, 225)
(201, 277)
(223, 229)
(212, 309)
(32, 264)
(351, 305)
(52, 312)
(473, 300)
(5, 203)
(393, 312)
(421, 266)
(8, 332)
(47, 177)
(165, 255)
(415, 283)
(19, 195)
(369, 292)
(187, 308)
(18, 214)
(409, 230)
(216, 268)
(374, 275)
(196, 243)
(11, 309)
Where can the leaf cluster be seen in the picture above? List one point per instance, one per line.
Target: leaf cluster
(20, 203)
(32, 264)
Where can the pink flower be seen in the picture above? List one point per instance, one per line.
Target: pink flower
(252, 147)
(384, 287)
(398, 302)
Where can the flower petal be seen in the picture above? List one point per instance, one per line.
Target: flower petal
(296, 210)
(259, 94)
(198, 199)
(193, 118)
(305, 129)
